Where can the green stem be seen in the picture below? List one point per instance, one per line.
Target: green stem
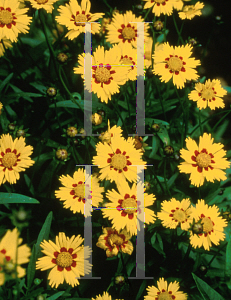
(180, 33)
(56, 112)
(117, 110)
(147, 13)
(219, 122)
(214, 256)
(157, 180)
(221, 112)
(183, 133)
(165, 180)
(177, 30)
(201, 129)
(69, 93)
(185, 257)
(165, 23)
(160, 98)
(52, 53)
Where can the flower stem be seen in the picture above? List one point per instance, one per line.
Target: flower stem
(147, 13)
(165, 180)
(177, 30)
(199, 115)
(214, 256)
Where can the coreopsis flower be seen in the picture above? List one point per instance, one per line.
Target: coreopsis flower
(73, 192)
(125, 207)
(114, 241)
(46, 4)
(165, 291)
(12, 256)
(118, 160)
(158, 25)
(160, 6)
(174, 213)
(212, 226)
(205, 161)
(74, 16)
(208, 94)
(13, 20)
(107, 135)
(107, 74)
(61, 154)
(96, 119)
(66, 258)
(123, 30)
(190, 11)
(7, 44)
(105, 296)
(14, 158)
(175, 62)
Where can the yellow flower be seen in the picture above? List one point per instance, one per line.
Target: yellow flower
(105, 296)
(203, 161)
(175, 62)
(174, 213)
(74, 17)
(14, 158)
(113, 241)
(190, 11)
(212, 226)
(160, 6)
(73, 192)
(165, 291)
(66, 258)
(208, 94)
(178, 4)
(107, 74)
(46, 4)
(13, 19)
(125, 207)
(119, 160)
(107, 135)
(9, 249)
(7, 44)
(1, 106)
(121, 29)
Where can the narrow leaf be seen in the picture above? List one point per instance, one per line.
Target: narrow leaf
(16, 198)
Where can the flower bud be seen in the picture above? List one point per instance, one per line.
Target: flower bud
(37, 281)
(158, 25)
(41, 297)
(72, 131)
(11, 126)
(149, 73)
(51, 92)
(62, 57)
(96, 119)
(61, 154)
(147, 185)
(101, 112)
(83, 132)
(156, 127)
(139, 6)
(203, 269)
(20, 132)
(119, 279)
(168, 150)
(192, 42)
(197, 228)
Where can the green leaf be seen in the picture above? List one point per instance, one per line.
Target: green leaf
(39, 87)
(10, 112)
(228, 258)
(155, 146)
(206, 291)
(56, 296)
(43, 235)
(141, 290)
(163, 135)
(123, 104)
(29, 184)
(16, 198)
(172, 179)
(5, 81)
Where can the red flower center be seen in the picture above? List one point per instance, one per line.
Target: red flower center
(175, 64)
(203, 160)
(7, 17)
(119, 161)
(80, 19)
(64, 259)
(9, 159)
(128, 33)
